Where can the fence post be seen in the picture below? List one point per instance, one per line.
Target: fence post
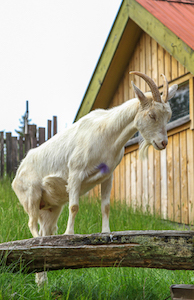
(2, 152)
(49, 129)
(54, 125)
(14, 154)
(33, 139)
(27, 143)
(8, 153)
(41, 131)
(21, 148)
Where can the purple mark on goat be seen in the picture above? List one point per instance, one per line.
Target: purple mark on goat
(103, 168)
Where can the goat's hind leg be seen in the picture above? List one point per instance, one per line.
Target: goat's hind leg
(29, 197)
(48, 226)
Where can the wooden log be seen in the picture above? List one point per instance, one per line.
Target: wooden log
(171, 250)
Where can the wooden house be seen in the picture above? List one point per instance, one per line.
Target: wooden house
(154, 37)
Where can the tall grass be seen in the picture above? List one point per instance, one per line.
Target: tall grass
(94, 283)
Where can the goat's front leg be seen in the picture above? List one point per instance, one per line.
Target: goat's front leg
(74, 189)
(106, 187)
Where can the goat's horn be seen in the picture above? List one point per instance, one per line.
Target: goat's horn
(165, 89)
(151, 83)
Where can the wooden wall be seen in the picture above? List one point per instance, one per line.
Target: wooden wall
(164, 182)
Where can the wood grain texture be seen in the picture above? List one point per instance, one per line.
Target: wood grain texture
(171, 250)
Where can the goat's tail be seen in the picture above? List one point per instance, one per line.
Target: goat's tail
(53, 192)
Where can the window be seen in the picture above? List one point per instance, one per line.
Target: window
(180, 102)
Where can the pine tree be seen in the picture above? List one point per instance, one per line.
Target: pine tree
(24, 120)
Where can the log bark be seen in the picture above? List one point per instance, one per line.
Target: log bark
(173, 250)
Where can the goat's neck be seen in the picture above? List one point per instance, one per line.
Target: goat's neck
(123, 122)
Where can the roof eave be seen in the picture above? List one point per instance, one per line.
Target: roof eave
(110, 65)
(164, 36)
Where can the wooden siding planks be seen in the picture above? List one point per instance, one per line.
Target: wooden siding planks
(164, 183)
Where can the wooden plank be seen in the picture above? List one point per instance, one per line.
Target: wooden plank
(142, 61)
(148, 57)
(174, 68)
(131, 68)
(160, 64)
(170, 179)
(112, 195)
(126, 85)
(139, 182)
(134, 179)
(32, 133)
(48, 129)
(41, 134)
(122, 181)
(136, 65)
(54, 125)
(184, 179)
(151, 182)
(167, 65)
(178, 129)
(157, 180)
(117, 183)
(8, 153)
(181, 69)
(182, 291)
(96, 190)
(132, 148)
(21, 148)
(172, 250)
(128, 178)
(177, 196)
(2, 152)
(164, 188)
(154, 61)
(14, 154)
(190, 173)
(27, 143)
(145, 200)
(191, 102)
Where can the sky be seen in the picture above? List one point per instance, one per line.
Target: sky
(48, 53)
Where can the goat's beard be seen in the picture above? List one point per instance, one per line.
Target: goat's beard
(143, 149)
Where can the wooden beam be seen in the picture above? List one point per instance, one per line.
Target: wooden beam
(171, 250)
(160, 33)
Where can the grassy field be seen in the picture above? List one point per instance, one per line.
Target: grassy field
(99, 283)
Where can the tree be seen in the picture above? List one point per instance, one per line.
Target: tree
(24, 121)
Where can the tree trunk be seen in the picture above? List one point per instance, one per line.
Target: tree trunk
(173, 250)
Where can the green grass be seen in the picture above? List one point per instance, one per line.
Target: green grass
(100, 283)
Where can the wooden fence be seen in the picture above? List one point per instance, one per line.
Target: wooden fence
(13, 149)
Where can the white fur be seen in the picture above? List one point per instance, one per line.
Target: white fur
(67, 165)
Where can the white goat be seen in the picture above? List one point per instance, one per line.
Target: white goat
(86, 154)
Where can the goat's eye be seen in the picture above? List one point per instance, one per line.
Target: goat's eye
(152, 116)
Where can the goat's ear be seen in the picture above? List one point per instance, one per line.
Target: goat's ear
(140, 95)
(172, 90)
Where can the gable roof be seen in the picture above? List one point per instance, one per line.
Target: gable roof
(135, 16)
(177, 15)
